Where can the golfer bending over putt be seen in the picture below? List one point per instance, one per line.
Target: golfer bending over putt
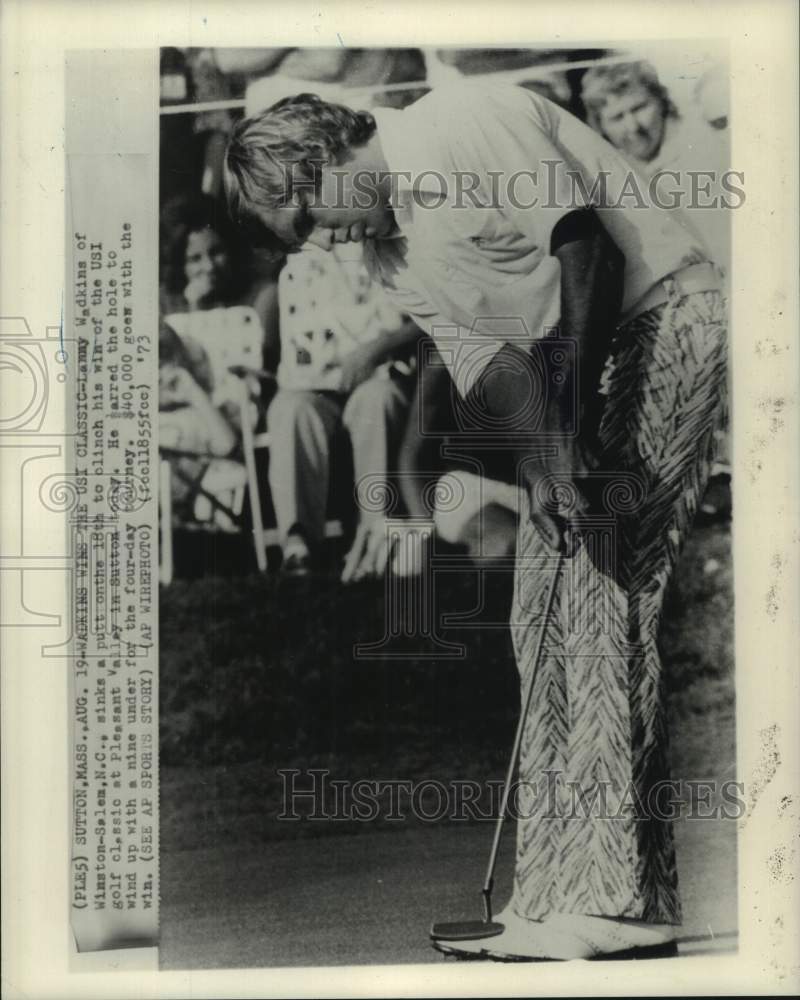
(486, 206)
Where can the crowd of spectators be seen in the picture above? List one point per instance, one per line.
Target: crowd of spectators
(334, 377)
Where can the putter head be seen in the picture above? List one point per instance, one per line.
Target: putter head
(466, 930)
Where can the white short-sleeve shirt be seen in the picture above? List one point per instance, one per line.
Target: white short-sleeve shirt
(328, 305)
(483, 173)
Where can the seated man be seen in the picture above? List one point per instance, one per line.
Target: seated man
(347, 359)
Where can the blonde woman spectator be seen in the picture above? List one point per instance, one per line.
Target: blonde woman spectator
(627, 103)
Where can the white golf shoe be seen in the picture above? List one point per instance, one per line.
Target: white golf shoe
(521, 941)
(567, 937)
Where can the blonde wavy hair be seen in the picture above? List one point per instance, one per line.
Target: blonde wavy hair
(282, 147)
(601, 82)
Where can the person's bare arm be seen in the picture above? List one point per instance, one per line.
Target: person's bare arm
(372, 551)
(361, 362)
(178, 387)
(396, 342)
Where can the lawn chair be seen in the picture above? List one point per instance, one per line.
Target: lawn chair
(232, 340)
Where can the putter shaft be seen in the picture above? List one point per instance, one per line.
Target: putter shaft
(488, 884)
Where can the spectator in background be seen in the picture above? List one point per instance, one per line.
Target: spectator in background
(627, 103)
(205, 264)
(204, 267)
(347, 360)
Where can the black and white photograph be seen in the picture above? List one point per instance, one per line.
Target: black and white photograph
(443, 412)
(399, 471)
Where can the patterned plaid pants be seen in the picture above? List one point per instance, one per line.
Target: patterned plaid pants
(593, 833)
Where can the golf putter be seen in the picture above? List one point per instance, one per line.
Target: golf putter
(474, 930)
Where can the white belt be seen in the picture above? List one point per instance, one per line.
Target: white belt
(693, 278)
